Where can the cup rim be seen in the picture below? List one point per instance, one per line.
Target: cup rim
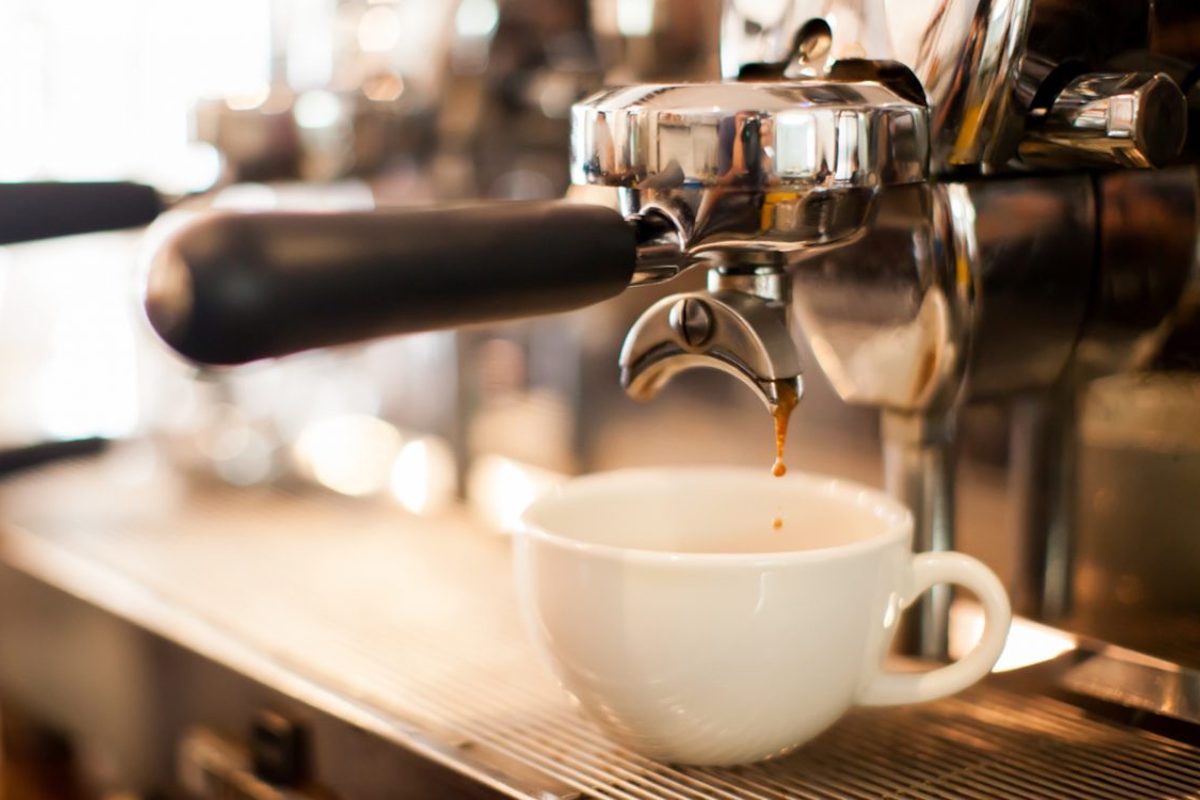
(897, 519)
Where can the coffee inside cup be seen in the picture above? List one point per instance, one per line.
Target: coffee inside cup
(665, 517)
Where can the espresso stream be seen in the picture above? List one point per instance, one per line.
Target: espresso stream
(781, 412)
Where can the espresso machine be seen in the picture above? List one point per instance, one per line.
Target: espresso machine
(927, 205)
(939, 203)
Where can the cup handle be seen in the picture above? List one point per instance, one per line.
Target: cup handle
(929, 569)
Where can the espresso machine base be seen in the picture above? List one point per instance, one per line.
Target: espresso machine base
(226, 626)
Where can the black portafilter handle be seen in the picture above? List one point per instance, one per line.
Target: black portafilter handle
(229, 288)
(30, 211)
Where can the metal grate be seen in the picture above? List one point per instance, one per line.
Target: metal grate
(416, 623)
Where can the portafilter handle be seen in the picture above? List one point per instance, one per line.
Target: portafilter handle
(229, 288)
(43, 210)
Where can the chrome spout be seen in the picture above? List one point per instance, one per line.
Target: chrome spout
(739, 326)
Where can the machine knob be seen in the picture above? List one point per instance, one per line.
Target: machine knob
(1115, 120)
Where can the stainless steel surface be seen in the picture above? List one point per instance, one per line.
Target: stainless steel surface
(1134, 120)
(923, 294)
(980, 63)
(739, 326)
(789, 136)
(1137, 551)
(1043, 474)
(742, 167)
(888, 313)
(1134, 310)
(982, 283)
(1133, 680)
(659, 249)
(918, 469)
(1036, 241)
(407, 630)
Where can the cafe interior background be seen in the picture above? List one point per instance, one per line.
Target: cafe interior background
(202, 567)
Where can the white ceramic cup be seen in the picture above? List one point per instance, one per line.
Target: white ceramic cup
(696, 632)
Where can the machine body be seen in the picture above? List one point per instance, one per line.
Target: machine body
(989, 272)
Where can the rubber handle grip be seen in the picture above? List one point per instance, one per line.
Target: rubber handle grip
(233, 288)
(31, 211)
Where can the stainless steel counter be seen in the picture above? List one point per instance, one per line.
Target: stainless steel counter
(405, 631)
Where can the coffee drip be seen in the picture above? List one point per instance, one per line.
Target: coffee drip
(781, 413)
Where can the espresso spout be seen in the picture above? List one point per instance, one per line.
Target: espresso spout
(739, 326)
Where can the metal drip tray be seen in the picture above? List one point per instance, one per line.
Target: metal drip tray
(407, 629)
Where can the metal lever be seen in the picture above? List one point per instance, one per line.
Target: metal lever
(1110, 120)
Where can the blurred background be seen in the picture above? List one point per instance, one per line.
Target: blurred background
(357, 104)
(348, 105)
